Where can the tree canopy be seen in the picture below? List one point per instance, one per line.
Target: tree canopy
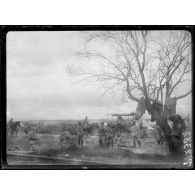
(150, 64)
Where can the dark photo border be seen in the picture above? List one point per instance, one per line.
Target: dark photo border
(11, 28)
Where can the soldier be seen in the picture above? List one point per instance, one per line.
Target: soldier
(109, 136)
(135, 133)
(65, 136)
(142, 131)
(10, 125)
(34, 140)
(141, 125)
(11, 121)
(80, 133)
(159, 135)
(120, 125)
(101, 134)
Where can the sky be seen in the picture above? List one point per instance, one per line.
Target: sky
(39, 87)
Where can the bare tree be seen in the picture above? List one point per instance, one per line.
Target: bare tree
(138, 70)
(141, 64)
(174, 67)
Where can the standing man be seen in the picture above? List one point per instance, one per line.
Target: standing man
(110, 136)
(101, 134)
(120, 124)
(135, 133)
(80, 133)
(10, 126)
(142, 131)
(10, 122)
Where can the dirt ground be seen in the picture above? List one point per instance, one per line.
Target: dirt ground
(149, 154)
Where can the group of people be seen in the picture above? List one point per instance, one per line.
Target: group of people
(13, 127)
(137, 131)
(106, 135)
(68, 135)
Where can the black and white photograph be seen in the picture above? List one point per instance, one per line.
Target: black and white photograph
(99, 98)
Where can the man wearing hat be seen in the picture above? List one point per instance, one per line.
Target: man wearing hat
(102, 131)
(135, 134)
(80, 133)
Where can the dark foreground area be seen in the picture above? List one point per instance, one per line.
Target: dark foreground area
(34, 160)
(45, 152)
(98, 156)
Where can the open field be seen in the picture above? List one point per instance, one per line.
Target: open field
(45, 151)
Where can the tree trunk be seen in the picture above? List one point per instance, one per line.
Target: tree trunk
(159, 115)
(175, 144)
